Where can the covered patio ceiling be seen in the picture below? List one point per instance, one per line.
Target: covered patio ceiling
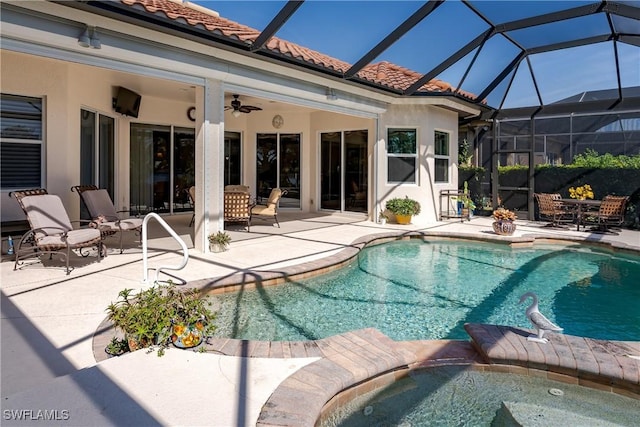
(513, 59)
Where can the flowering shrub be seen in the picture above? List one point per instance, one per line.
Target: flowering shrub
(583, 192)
(502, 214)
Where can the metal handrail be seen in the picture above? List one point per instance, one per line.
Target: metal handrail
(144, 247)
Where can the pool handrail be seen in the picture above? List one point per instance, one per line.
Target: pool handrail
(173, 234)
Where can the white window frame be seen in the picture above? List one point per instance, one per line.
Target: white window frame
(39, 142)
(437, 156)
(404, 155)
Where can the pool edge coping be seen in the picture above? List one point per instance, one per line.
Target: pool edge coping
(230, 283)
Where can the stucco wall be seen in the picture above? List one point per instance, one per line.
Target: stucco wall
(426, 120)
(66, 88)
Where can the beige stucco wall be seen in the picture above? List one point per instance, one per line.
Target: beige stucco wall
(425, 119)
(66, 88)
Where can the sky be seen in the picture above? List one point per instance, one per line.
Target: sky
(347, 30)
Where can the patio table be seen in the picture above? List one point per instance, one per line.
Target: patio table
(581, 207)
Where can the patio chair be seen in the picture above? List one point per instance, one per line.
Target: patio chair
(243, 188)
(237, 207)
(271, 208)
(610, 214)
(191, 192)
(104, 214)
(51, 231)
(551, 209)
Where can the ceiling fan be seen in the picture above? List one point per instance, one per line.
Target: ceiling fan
(238, 108)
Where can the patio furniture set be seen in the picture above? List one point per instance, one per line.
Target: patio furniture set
(239, 207)
(52, 232)
(602, 215)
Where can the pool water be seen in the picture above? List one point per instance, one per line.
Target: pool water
(415, 289)
(453, 396)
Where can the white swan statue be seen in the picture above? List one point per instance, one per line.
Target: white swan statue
(537, 319)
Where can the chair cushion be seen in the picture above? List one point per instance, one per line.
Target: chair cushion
(75, 238)
(99, 204)
(47, 212)
(263, 210)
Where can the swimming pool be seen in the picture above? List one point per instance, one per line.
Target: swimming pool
(420, 289)
(457, 396)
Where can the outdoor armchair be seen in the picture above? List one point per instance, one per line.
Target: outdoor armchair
(191, 192)
(104, 214)
(551, 208)
(610, 214)
(51, 231)
(242, 188)
(271, 208)
(237, 207)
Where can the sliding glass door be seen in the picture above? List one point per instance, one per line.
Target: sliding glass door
(344, 171)
(278, 166)
(232, 158)
(162, 168)
(97, 153)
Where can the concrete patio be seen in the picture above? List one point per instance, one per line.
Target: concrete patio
(50, 322)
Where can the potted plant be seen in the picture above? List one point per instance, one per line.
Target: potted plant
(466, 205)
(219, 242)
(403, 208)
(382, 217)
(159, 316)
(504, 221)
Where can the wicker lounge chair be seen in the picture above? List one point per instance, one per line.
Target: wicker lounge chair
(51, 230)
(271, 208)
(104, 213)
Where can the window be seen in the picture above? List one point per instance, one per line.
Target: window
(441, 141)
(21, 142)
(402, 156)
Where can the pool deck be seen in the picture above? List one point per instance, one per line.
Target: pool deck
(53, 330)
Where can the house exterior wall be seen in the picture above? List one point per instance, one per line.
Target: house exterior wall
(426, 120)
(66, 88)
(51, 65)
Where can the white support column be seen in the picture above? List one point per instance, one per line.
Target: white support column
(209, 162)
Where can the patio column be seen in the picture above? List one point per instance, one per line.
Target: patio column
(209, 162)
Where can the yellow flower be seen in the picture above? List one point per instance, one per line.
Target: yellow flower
(583, 192)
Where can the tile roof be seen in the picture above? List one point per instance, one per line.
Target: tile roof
(382, 73)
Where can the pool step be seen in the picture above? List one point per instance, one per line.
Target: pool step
(518, 414)
(607, 363)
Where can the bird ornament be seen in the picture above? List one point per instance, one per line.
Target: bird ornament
(537, 319)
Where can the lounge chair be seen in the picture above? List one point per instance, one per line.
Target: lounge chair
(550, 208)
(104, 213)
(237, 207)
(610, 214)
(51, 230)
(271, 208)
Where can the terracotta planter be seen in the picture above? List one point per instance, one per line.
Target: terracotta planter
(504, 228)
(136, 343)
(403, 219)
